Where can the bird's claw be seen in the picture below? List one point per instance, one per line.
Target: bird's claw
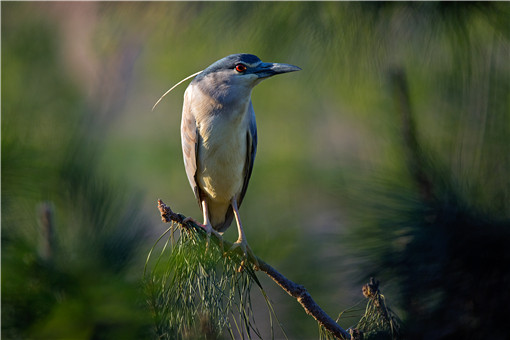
(209, 230)
(191, 219)
(247, 253)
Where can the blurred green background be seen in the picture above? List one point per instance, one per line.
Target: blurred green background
(339, 193)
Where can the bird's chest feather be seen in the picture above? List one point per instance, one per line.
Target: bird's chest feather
(222, 152)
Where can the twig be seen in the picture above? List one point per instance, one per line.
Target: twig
(305, 299)
(293, 289)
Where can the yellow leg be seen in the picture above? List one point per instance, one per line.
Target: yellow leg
(241, 240)
(207, 225)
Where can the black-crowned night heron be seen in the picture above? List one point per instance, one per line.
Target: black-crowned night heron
(219, 137)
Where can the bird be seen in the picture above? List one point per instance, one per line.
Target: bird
(219, 138)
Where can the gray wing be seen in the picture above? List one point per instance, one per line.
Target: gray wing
(189, 140)
(251, 138)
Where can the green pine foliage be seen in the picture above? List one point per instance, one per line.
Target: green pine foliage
(197, 291)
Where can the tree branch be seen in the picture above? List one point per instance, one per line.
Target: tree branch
(293, 289)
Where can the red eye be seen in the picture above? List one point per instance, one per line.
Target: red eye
(240, 68)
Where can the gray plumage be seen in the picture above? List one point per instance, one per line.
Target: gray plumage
(219, 133)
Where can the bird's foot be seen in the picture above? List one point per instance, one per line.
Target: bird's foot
(191, 219)
(247, 252)
(209, 230)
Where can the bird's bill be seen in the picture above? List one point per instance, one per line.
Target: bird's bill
(265, 70)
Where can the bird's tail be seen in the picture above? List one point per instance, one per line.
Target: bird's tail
(221, 215)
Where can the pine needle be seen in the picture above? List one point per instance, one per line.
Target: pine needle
(197, 292)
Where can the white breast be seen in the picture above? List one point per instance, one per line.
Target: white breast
(222, 148)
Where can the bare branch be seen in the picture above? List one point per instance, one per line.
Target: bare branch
(305, 299)
(293, 289)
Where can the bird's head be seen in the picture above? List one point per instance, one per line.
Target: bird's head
(234, 76)
(244, 70)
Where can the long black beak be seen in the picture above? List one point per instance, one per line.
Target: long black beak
(265, 70)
